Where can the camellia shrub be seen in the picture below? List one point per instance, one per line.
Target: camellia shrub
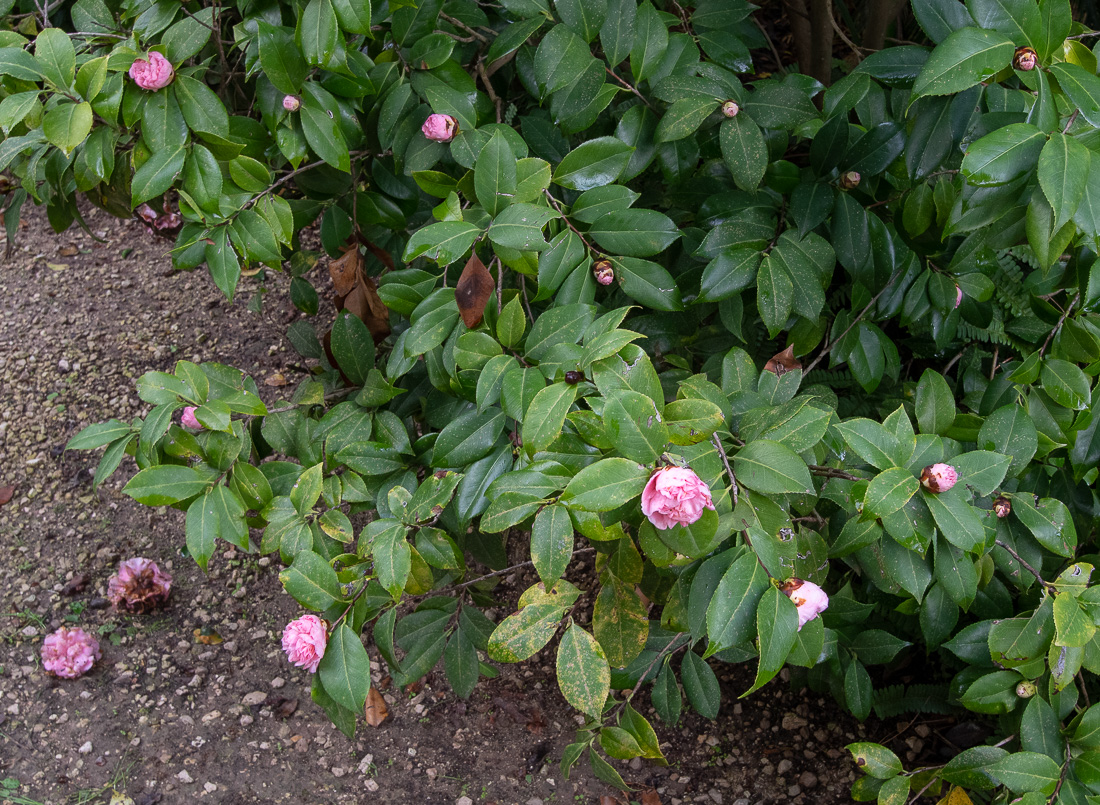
(804, 373)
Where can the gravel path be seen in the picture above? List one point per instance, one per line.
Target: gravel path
(195, 701)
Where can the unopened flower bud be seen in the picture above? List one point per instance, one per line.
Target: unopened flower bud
(603, 272)
(849, 180)
(1002, 506)
(291, 103)
(730, 108)
(440, 128)
(810, 599)
(1025, 59)
(958, 296)
(938, 477)
(1025, 690)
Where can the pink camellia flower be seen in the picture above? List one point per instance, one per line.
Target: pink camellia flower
(441, 128)
(938, 477)
(304, 642)
(188, 420)
(139, 586)
(154, 74)
(69, 652)
(675, 496)
(291, 103)
(810, 599)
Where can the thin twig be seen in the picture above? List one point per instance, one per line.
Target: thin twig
(554, 203)
(460, 24)
(1025, 565)
(500, 282)
(668, 649)
(829, 347)
(1058, 326)
(480, 67)
(832, 472)
(1061, 777)
(358, 595)
(1072, 119)
(1084, 35)
(288, 176)
(771, 44)
(729, 469)
(494, 574)
(332, 395)
(523, 294)
(955, 360)
(629, 86)
(844, 37)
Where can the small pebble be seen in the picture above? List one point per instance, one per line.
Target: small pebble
(185, 778)
(278, 682)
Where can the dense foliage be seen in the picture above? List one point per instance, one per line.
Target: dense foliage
(813, 293)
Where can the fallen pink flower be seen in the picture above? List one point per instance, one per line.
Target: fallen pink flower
(69, 652)
(675, 496)
(304, 642)
(139, 585)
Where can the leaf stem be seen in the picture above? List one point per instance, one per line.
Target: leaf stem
(829, 347)
(1058, 326)
(729, 470)
(351, 604)
(1048, 585)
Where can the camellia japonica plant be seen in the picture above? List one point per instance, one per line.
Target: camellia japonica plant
(797, 375)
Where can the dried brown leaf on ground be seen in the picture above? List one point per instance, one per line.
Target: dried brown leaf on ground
(6, 494)
(473, 291)
(375, 709)
(277, 379)
(782, 362)
(651, 797)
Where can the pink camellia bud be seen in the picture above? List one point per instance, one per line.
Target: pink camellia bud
(810, 599)
(441, 128)
(1002, 506)
(304, 642)
(958, 296)
(139, 586)
(69, 652)
(1025, 690)
(188, 420)
(1025, 59)
(154, 74)
(849, 180)
(938, 477)
(603, 272)
(730, 108)
(675, 496)
(291, 103)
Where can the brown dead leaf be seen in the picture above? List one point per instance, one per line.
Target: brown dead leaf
(76, 584)
(473, 291)
(6, 494)
(286, 708)
(607, 799)
(68, 251)
(364, 302)
(536, 722)
(277, 379)
(346, 270)
(375, 709)
(783, 362)
(651, 797)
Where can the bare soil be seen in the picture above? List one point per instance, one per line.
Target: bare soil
(196, 701)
